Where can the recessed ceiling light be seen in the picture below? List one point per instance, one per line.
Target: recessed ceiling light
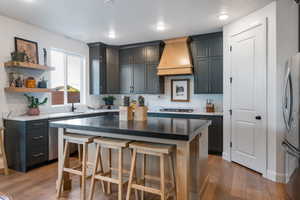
(223, 17)
(29, 1)
(112, 35)
(109, 1)
(160, 26)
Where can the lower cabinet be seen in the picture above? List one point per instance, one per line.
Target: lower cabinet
(27, 142)
(215, 137)
(215, 130)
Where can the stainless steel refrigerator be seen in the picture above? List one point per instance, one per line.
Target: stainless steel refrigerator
(291, 140)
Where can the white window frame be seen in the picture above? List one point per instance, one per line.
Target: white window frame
(82, 76)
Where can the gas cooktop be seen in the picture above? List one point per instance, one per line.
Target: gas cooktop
(177, 110)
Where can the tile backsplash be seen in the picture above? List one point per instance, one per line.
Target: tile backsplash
(155, 102)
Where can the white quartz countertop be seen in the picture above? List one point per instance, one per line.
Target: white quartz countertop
(190, 113)
(76, 113)
(58, 115)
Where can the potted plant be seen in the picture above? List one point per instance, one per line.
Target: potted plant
(33, 105)
(109, 101)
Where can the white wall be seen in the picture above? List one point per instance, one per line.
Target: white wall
(282, 41)
(11, 28)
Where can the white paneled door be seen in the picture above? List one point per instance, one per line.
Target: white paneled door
(248, 100)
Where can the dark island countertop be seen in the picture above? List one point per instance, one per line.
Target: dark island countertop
(165, 128)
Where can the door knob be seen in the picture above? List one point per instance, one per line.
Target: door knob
(258, 117)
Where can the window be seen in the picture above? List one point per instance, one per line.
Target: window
(67, 78)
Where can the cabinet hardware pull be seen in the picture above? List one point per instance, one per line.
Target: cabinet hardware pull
(38, 155)
(38, 137)
(38, 124)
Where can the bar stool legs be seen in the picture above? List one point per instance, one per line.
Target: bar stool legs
(110, 171)
(83, 175)
(162, 177)
(79, 140)
(143, 174)
(161, 151)
(61, 172)
(97, 164)
(119, 146)
(132, 172)
(2, 149)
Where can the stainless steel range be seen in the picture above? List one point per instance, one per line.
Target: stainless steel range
(177, 110)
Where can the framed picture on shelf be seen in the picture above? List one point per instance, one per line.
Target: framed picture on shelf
(30, 48)
(180, 90)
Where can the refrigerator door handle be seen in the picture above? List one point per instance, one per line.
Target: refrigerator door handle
(287, 107)
(290, 149)
(286, 142)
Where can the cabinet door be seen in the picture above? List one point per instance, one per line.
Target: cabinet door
(112, 70)
(126, 77)
(139, 55)
(97, 70)
(216, 45)
(154, 83)
(152, 54)
(215, 137)
(139, 78)
(216, 75)
(126, 56)
(200, 48)
(201, 76)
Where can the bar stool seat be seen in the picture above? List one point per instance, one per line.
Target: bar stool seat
(109, 144)
(162, 151)
(79, 140)
(152, 148)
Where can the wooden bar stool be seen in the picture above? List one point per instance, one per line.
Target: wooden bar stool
(79, 140)
(109, 144)
(3, 154)
(162, 151)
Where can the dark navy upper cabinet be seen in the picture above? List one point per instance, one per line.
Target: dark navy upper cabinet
(216, 75)
(112, 70)
(97, 68)
(207, 53)
(104, 69)
(139, 81)
(138, 69)
(152, 53)
(154, 83)
(201, 75)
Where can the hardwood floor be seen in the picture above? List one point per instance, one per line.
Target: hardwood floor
(228, 181)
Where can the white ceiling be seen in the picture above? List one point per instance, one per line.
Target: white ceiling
(131, 20)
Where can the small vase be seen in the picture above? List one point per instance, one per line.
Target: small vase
(109, 103)
(33, 111)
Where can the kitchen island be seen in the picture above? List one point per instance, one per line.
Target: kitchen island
(188, 135)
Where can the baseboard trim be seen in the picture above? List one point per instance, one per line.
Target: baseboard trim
(204, 185)
(225, 156)
(276, 177)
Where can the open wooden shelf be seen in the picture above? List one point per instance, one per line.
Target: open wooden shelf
(27, 65)
(25, 90)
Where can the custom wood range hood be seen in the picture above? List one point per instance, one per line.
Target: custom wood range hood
(176, 58)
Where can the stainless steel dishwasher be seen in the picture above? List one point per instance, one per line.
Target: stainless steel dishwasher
(53, 143)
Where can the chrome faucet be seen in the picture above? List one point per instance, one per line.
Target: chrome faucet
(73, 108)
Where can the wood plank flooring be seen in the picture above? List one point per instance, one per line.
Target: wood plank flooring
(228, 181)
